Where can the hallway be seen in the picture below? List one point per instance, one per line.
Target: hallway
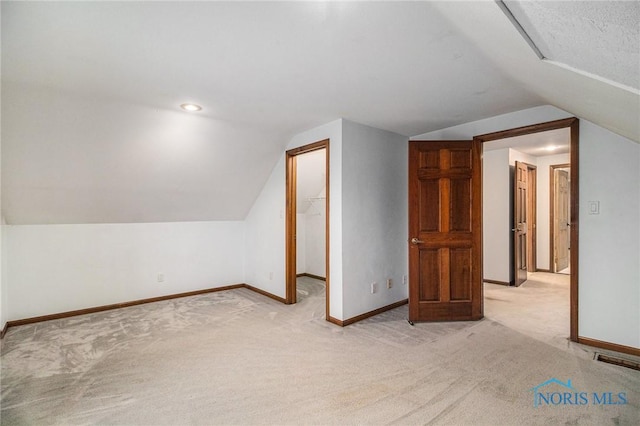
(538, 308)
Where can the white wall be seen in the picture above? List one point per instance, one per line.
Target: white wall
(4, 281)
(367, 219)
(495, 210)
(264, 236)
(609, 242)
(301, 243)
(58, 268)
(315, 224)
(609, 267)
(311, 207)
(512, 120)
(265, 223)
(310, 240)
(543, 206)
(3, 260)
(375, 217)
(515, 155)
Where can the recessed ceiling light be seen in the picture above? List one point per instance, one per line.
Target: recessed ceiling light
(191, 107)
(551, 148)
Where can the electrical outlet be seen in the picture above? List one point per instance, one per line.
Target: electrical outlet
(374, 287)
(160, 277)
(389, 283)
(404, 279)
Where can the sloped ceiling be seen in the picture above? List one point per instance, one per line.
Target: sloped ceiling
(92, 131)
(601, 38)
(608, 105)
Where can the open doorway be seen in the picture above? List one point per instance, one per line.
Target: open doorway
(307, 223)
(508, 137)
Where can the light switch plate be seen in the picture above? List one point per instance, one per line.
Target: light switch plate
(594, 207)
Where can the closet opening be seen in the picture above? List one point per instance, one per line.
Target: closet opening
(307, 223)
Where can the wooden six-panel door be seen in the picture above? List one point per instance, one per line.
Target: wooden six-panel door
(445, 267)
(561, 218)
(520, 210)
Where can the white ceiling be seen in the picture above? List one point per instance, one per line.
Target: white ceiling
(92, 130)
(598, 37)
(608, 105)
(539, 144)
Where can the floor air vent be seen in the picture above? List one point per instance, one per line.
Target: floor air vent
(618, 361)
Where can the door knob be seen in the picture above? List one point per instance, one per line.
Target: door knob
(416, 241)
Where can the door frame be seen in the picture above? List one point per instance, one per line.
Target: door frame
(291, 186)
(574, 125)
(552, 202)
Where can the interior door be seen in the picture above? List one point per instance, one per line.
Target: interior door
(532, 220)
(520, 222)
(445, 241)
(561, 218)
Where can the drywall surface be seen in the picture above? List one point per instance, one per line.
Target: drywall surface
(609, 304)
(74, 160)
(3, 257)
(264, 253)
(609, 267)
(301, 243)
(3, 275)
(59, 268)
(543, 206)
(311, 179)
(496, 226)
(315, 247)
(367, 219)
(515, 155)
(265, 223)
(512, 120)
(374, 217)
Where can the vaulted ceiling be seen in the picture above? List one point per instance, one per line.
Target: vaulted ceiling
(92, 131)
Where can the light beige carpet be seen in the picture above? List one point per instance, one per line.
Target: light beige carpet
(237, 357)
(538, 308)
